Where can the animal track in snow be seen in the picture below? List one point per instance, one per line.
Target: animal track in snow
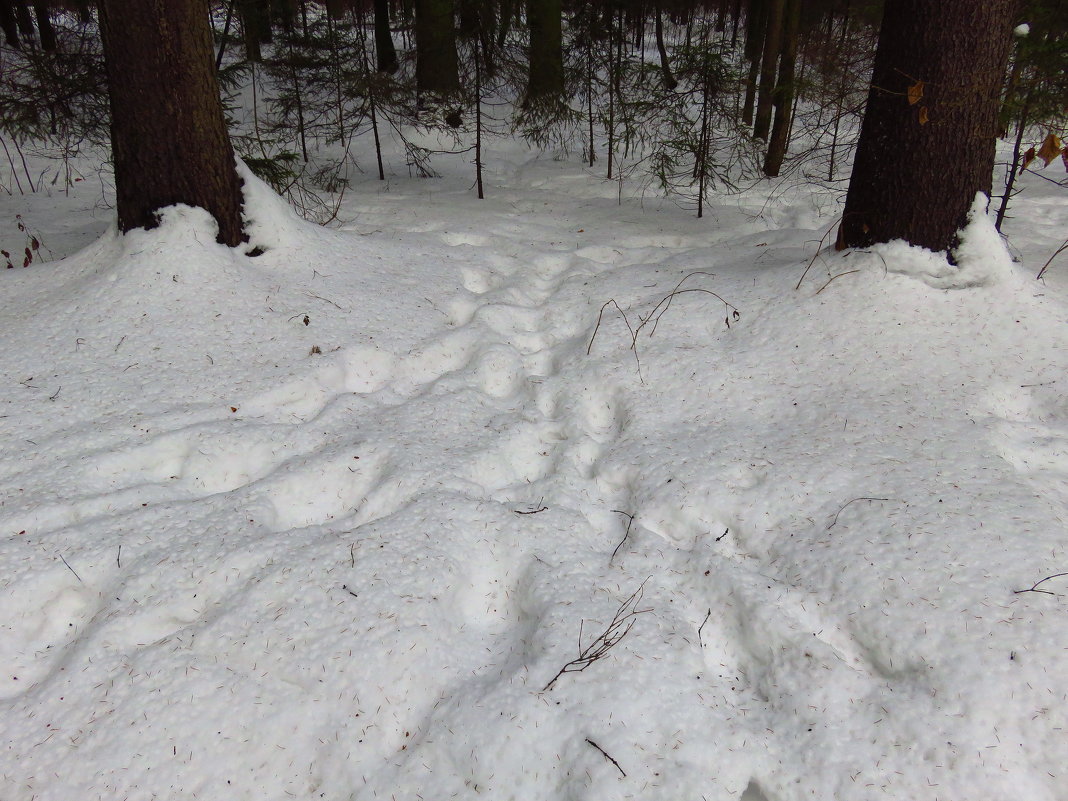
(55, 606)
(362, 370)
(324, 488)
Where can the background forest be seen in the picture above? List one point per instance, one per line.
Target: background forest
(683, 97)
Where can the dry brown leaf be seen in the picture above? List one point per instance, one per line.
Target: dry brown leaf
(923, 115)
(915, 93)
(1051, 148)
(1028, 157)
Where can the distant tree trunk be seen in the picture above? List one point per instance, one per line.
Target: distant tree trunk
(769, 65)
(8, 24)
(927, 141)
(436, 69)
(168, 137)
(755, 28)
(25, 21)
(385, 52)
(784, 91)
(255, 26)
(545, 80)
(665, 65)
(44, 27)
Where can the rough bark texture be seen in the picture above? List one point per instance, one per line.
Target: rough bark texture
(436, 68)
(546, 77)
(168, 136)
(918, 165)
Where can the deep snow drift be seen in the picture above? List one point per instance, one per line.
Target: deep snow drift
(327, 523)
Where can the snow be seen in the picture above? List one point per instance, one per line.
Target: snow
(326, 522)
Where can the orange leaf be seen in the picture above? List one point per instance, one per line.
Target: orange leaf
(1051, 148)
(915, 93)
(1028, 157)
(923, 115)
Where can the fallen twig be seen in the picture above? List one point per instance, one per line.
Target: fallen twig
(71, 569)
(1034, 587)
(607, 756)
(619, 627)
(847, 272)
(833, 522)
(699, 628)
(626, 534)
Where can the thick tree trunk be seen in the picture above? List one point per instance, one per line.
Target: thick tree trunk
(545, 80)
(168, 136)
(927, 141)
(436, 69)
(385, 52)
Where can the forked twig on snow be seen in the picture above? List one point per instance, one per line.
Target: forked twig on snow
(1034, 587)
(619, 627)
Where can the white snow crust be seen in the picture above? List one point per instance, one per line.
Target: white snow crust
(325, 523)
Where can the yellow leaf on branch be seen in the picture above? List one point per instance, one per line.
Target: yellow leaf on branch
(1028, 157)
(1051, 148)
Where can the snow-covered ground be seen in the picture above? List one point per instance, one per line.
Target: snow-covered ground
(458, 501)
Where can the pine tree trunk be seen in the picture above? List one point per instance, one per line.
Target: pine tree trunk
(927, 141)
(545, 80)
(168, 136)
(784, 91)
(385, 52)
(44, 27)
(769, 64)
(436, 68)
(670, 83)
(8, 24)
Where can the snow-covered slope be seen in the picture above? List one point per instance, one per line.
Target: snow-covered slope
(542, 497)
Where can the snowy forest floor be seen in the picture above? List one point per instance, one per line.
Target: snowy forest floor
(461, 501)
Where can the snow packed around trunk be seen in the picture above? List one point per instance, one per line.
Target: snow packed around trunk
(549, 496)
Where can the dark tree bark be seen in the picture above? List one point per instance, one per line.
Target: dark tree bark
(756, 22)
(8, 24)
(927, 141)
(168, 137)
(769, 65)
(436, 69)
(784, 91)
(545, 80)
(25, 21)
(255, 26)
(385, 51)
(670, 83)
(44, 27)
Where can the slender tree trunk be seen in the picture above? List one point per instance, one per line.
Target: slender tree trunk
(8, 24)
(784, 91)
(769, 64)
(665, 65)
(927, 142)
(25, 21)
(44, 27)
(168, 136)
(755, 27)
(385, 52)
